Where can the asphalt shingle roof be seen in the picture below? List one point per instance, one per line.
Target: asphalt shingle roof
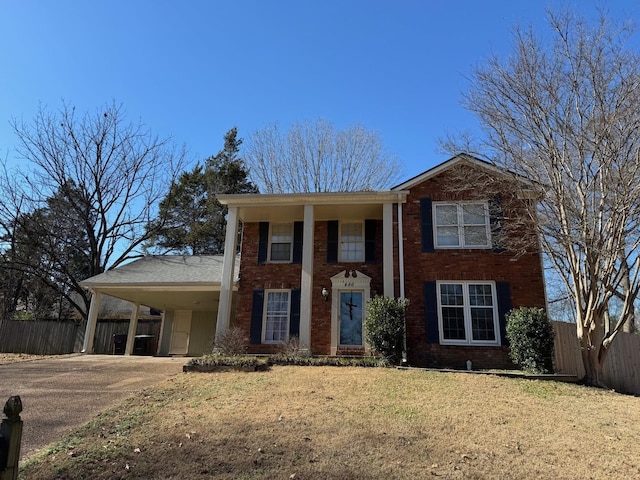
(165, 270)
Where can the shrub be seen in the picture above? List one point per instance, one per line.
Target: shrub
(384, 326)
(290, 348)
(232, 341)
(530, 336)
(326, 361)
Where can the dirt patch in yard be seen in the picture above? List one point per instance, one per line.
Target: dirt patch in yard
(20, 357)
(353, 423)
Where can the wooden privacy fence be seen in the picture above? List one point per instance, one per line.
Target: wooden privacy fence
(621, 367)
(39, 337)
(60, 337)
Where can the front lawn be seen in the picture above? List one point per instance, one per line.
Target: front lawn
(297, 422)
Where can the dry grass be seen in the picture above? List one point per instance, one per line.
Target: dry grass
(354, 423)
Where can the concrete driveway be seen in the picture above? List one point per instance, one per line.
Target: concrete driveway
(61, 393)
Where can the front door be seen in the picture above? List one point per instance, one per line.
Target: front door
(180, 332)
(351, 310)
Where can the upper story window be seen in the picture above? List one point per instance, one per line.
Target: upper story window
(468, 313)
(351, 242)
(281, 242)
(461, 225)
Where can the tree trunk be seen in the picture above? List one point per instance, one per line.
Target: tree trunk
(629, 325)
(594, 355)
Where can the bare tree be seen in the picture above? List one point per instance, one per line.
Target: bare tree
(566, 115)
(314, 157)
(106, 173)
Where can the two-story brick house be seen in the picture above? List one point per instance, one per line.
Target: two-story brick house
(309, 263)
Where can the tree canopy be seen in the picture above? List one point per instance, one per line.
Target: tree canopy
(81, 201)
(315, 157)
(191, 219)
(566, 115)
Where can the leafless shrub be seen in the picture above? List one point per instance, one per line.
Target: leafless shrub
(232, 341)
(290, 348)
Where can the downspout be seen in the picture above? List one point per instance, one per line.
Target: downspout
(401, 273)
(400, 251)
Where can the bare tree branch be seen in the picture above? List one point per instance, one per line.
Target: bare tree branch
(313, 157)
(566, 115)
(109, 173)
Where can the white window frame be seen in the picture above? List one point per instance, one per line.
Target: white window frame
(467, 313)
(290, 259)
(460, 224)
(265, 316)
(341, 258)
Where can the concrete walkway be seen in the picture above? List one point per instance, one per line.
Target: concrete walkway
(61, 393)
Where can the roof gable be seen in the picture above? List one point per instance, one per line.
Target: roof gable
(459, 159)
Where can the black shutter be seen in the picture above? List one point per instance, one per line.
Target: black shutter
(431, 312)
(332, 241)
(294, 316)
(370, 241)
(298, 232)
(255, 334)
(496, 220)
(263, 242)
(503, 292)
(426, 225)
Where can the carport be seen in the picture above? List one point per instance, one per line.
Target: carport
(185, 288)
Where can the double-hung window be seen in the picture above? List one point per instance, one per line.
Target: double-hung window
(468, 313)
(461, 225)
(281, 242)
(275, 324)
(351, 242)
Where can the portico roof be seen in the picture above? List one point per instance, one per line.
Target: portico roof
(328, 205)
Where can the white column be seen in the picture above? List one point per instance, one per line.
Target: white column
(226, 288)
(90, 332)
(387, 249)
(133, 326)
(306, 281)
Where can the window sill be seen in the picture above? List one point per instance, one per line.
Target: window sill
(464, 248)
(445, 343)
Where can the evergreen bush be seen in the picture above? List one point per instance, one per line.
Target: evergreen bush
(384, 326)
(530, 336)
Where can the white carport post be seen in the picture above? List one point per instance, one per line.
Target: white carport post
(387, 249)
(226, 286)
(133, 326)
(306, 281)
(89, 333)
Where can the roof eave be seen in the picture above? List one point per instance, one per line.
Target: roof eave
(323, 198)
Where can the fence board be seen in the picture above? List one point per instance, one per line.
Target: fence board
(37, 337)
(57, 338)
(621, 367)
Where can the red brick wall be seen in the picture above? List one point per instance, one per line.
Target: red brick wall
(322, 273)
(254, 276)
(524, 274)
(285, 275)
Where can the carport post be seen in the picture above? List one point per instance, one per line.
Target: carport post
(90, 331)
(133, 326)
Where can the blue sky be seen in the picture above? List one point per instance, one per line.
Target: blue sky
(193, 69)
